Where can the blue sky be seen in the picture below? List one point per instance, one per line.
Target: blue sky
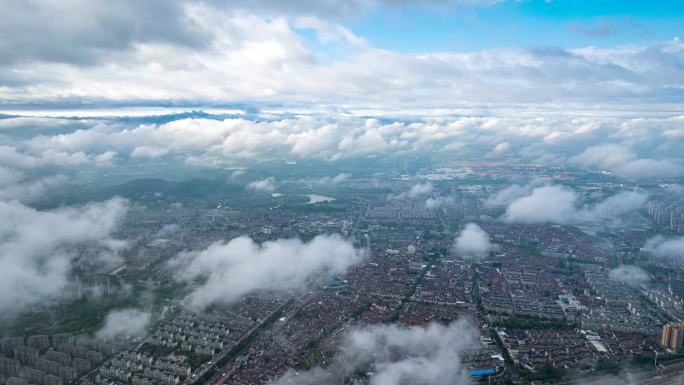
(558, 23)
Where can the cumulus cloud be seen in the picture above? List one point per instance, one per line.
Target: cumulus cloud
(650, 168)
(237, 173)
(438, 201)
(148, 152)
(502, 147)
(266, 185)
(394, 354)
(37, 248)
(125, 323)
(419, 190)
(616, 205)
(15, 185)
(629, 275)
(623, 161)
(665, 247)
(473, 242)
(8, 176)
(554, 204)
(30, 190)
(228, 270)
(606, 156)
(49, 156)
(499, 150)
(333, 181)
(41, 32)
(557, 204)
(512, 192)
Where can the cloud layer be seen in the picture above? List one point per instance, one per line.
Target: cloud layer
(228, 270)
(103, 143)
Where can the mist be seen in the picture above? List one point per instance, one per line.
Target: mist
(632, 276)
(37, 248)
(125, 323)
(430, 355)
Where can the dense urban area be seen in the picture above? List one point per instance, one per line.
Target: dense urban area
(583, 300)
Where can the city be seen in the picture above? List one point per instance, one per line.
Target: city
(538, 301)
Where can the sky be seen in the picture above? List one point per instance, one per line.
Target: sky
(334, 54)
(116, 86)
(506, 24)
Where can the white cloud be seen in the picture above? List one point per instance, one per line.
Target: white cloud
(30, 190)
(394, 354)
(50, 156)
(419, 190)
(38, 247)
(623, 161)
(607, 156)
(326, 181)
(148, 152)
(557, 204)
(438, 201)
(499, 150)
(125, 323)
(333, 181)
(553, 204)
(502, 147)
(616, 205)
(237, 173)
(9, 176)
(650, 168)
(231, 269)
(661, 246)
(473, 242)
(513, 192)
(629, 275)
(267, 184)
(15, 185)
(42, 32)
(107, 158)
